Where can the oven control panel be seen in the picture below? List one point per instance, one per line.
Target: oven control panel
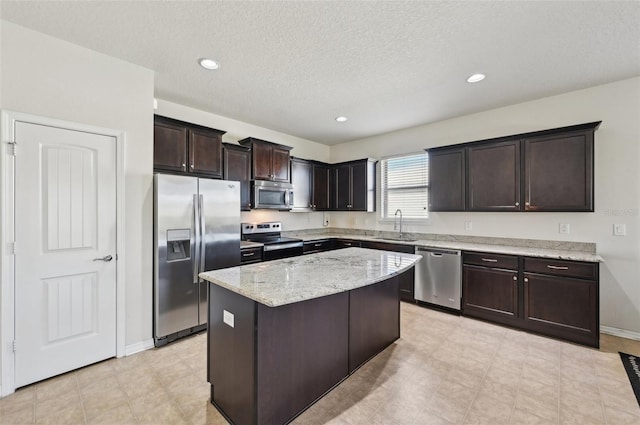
(253, 228)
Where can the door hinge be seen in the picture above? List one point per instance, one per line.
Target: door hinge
(11, 247)
(14, 345)
(11, 148)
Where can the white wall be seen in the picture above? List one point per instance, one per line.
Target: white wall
(238, 130)
(617, 188)
(44, 76)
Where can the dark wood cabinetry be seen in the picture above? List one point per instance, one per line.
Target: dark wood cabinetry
(447, 179)
(407, 279)
(494, 176)
(345, 243)
(558, 172)
(558, 298)
(311, 247)
(549, 170)
(237, 166)
(321, 189)
(186, 148)
(269, 161)
(353, 184)
(490, 287)
(310, 181)
(251, 255)
(561, 298)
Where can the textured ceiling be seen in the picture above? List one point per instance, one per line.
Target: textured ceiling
(294, 66)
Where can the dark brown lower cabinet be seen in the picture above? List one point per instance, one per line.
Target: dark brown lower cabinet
(562, 303)
(490, 294)
(557, 298)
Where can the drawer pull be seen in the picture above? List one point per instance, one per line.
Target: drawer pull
(490, 260)
(317, 244)
(558, 267)
(248, 254)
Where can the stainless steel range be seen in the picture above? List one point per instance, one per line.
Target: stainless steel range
(269, 234)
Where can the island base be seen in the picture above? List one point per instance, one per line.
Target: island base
(266, 365)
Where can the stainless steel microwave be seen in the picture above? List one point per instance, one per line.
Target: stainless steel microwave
(272, 195)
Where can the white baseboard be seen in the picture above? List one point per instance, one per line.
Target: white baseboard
(623, 333)
(138, 347)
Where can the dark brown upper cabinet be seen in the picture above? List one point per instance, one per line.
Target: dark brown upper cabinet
(494, 176)
(186, 148)
(353, 185)
(321, 188)
(270, 161)
(310, 181)
(549, 170)
(237, 166)
(558, 172)
(447, 179)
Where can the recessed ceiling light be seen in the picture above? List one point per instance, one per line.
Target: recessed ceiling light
(475, 78)
(208, 63)
(341, 119)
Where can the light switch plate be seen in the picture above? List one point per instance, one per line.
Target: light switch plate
(619, 230)
(564, 228)
(228, 318)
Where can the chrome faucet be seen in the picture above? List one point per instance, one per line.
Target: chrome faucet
(395, 216)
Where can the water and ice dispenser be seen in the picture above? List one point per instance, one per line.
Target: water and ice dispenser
(178, 244)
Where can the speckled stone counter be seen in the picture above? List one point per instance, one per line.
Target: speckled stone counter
(559, 250)
(296, 279)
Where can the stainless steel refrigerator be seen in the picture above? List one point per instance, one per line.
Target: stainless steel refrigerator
(196, 228)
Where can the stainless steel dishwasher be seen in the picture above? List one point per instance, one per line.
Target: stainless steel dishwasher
(438, 277)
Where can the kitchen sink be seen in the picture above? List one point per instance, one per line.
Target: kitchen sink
(397, 238)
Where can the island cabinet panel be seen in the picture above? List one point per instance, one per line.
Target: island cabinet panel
(447, 179)
(230, 363)
(302, 353)
(558, 172)
(374, 320)
(494, 176)
(237, 166)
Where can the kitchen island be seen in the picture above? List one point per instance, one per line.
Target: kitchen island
(283, 333)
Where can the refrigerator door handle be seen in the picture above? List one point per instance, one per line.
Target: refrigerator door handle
(196, 235)
(202, 236)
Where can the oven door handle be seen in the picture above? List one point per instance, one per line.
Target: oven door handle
(275, 247)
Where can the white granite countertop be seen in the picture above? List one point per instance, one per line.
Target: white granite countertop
(465, 246)
(290, 280)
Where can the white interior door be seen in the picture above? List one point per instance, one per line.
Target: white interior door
(65, 232)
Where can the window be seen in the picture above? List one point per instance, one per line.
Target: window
(405, 186)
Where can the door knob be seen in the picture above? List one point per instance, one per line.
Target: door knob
(106, 258)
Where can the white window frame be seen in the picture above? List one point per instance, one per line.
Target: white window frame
(390, 218)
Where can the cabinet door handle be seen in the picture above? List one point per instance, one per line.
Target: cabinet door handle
(515, 278)
(191, 165)
(558, 267)
(490, 260)
(184, 165)
(517, 204)
(526, 280)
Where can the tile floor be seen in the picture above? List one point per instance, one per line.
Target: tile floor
(444, 370)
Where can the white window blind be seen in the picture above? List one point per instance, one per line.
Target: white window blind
(405, 186)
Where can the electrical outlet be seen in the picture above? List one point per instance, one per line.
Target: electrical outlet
(468, 225)
(619, 230)
(564, 228)
(325, 219)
